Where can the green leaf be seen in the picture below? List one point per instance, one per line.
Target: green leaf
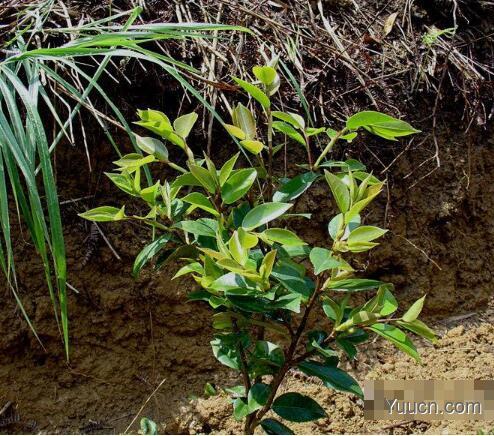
(272, 426)
(332, 310)
(255, 147)
(380, 124)
(104, 213)
(290, 278)
(282, 236)
(152, 146)
(254, 92)
(184, 124)
(295, 187)
(196, 199)
(194, 267)
(296, 407)
(353, 284)
(235, 131)
(240, 409)
(289, 131)
(264, 74)
(263, 214)
(365, 234)
(227, 168)
(419, 328)
(186, 179)
(340, 191)
(200, 227)
(238, 185)
(397, 337)
(231, 281)
(148, 426)
(294, 119)
(258, 396)
(148, 252)
(360, 318)
(243, 119)
(226, 349)
(332, 377)
(322, 260)
(266, 359)
(204, 177)
(414, 311)
(132, 161)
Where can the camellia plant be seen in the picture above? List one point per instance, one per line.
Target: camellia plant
(230, 225)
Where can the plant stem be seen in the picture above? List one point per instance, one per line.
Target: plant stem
(307, 146)
(329, 147)
(270, 153)
(289, 362)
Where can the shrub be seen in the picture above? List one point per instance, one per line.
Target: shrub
(230, 227)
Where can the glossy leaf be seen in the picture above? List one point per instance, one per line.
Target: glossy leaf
(340, 191)
(397, 337)
(258, 396)
(380, 124)
(265, 74)
(414, 311)
(289, 131)
(152, 146)
(255, 92)
(148, 252)
(104, 213)
(196, 199)
(282, 236)
(332, 377)
(227, 168)
(263, 214)
(353, 284)
(296, 407)
(255, 147)
(184, 124)
(295, 187)
(322, 260)
(204, 177)
(272, 426)
(238, 185)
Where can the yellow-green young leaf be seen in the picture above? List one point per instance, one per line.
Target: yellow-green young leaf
(358, 206)
(150, 193)
(289, 117)
(267, 264)
(174, 138)
(132, 161)
(264, 74)
(340, 191)
(227, 168)
(255, 147)
(194, 267)
(365, 234)
(152, 146)
(212, 170)
(104, 213)
(414, 311)
(361, 318)
(254, 92)
(204, 177)
(248, 240)
(238, 252)
(156, 117)
(322, 260)
(360, 247)
(238, 185)
(123, 181)
(184, 124)
(283, 236)
(397, 337)
(264, 213)
(235, 131)
(196, 199)
(243, 119)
